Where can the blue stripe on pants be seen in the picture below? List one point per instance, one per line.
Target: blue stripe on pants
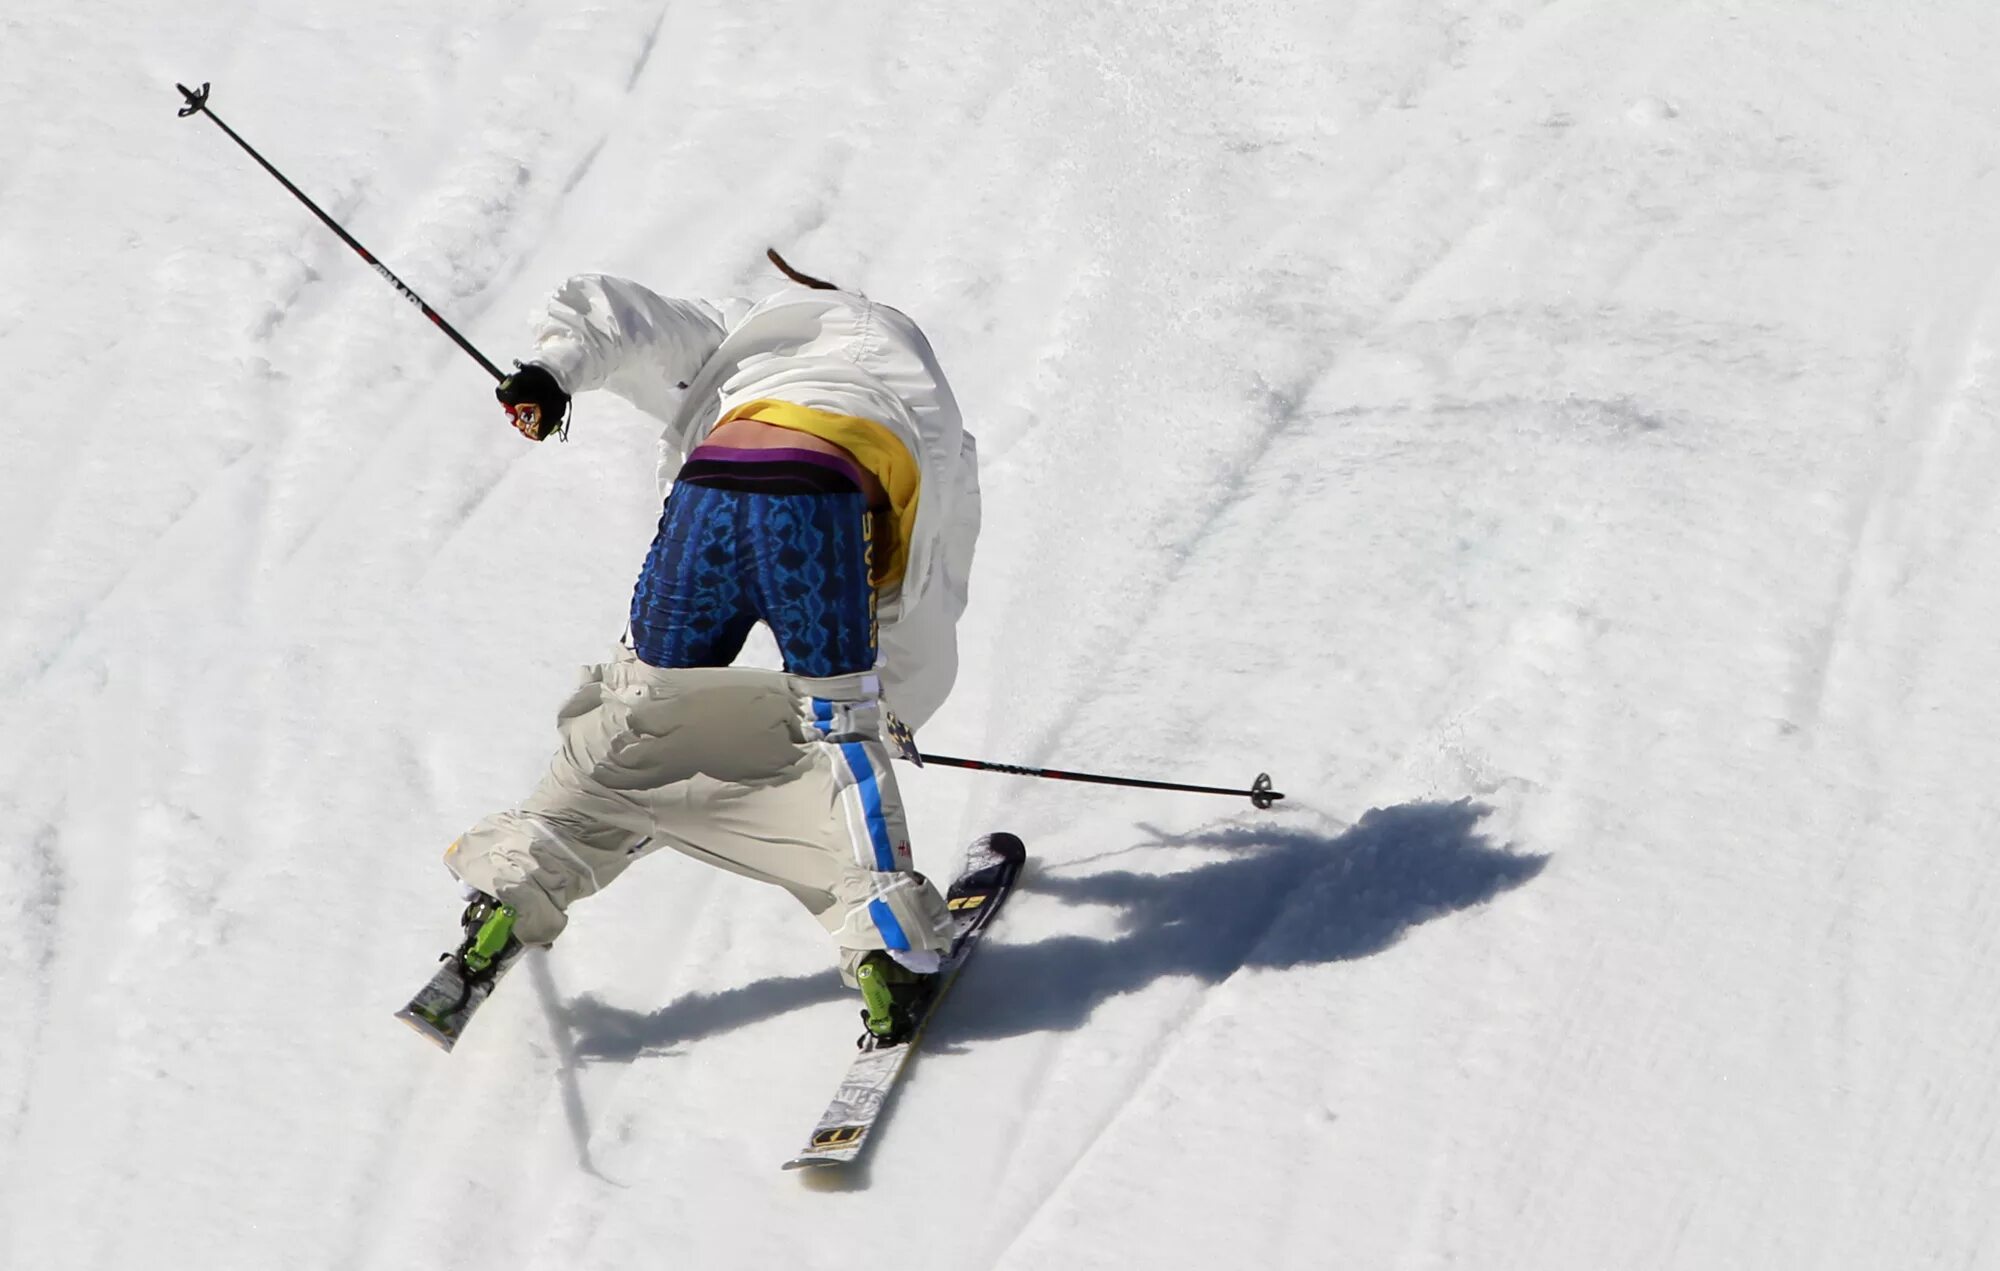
(892, 931)
(858, 763)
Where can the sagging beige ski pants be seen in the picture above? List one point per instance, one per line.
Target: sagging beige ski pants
(778, 777)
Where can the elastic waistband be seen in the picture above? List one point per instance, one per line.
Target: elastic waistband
(779, 470)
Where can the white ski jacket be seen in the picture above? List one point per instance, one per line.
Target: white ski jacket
(689, 363)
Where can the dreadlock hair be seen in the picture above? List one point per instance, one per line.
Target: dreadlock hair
(804, 280)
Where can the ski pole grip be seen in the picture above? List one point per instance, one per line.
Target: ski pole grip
(196, 99)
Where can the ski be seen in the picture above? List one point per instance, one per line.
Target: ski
(992, 865)
(444, 1006)
(465, 979)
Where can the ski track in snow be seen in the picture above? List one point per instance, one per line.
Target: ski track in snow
(1925, 401)
(1554, 439)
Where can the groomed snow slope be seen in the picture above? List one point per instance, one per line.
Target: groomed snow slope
(1557, 440)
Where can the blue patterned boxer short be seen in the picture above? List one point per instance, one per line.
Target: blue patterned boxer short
(778, 536)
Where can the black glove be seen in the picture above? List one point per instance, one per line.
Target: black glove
(536, 404)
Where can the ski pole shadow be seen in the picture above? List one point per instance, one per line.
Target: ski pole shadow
(572, 1095)
(604, 1032)
(1282, 898)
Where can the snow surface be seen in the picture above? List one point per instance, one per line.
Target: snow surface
(1557, 440)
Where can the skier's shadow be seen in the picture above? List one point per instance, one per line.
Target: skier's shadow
(1279, 898)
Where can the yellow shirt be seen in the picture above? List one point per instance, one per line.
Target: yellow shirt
(874, 447)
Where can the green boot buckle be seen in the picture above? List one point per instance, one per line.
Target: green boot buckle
(878, 998)
(487, 941)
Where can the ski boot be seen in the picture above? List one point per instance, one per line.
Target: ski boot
(489, 945)
(894, 1000)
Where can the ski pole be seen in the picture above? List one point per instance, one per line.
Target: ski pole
(197, 104)
(1260, 792)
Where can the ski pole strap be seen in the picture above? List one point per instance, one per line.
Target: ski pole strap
(1260, 792)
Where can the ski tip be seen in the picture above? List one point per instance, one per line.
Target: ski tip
(1007, 845)
(831, 1146)
(427, 1030)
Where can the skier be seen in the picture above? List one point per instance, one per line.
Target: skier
(817, 478)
